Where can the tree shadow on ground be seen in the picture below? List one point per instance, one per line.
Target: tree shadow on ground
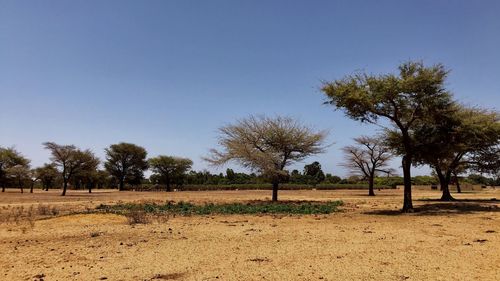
(436, 207)
(479, 201)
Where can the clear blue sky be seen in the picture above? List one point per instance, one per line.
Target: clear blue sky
(167, 74)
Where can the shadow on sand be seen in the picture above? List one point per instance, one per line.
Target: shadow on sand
(436, 207)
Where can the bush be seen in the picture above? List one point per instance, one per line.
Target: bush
(136, 213)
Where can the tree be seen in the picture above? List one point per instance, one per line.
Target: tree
(314, 173)
(368, 157)
(126, 162)
(267, 145)
(101, 179)
(32, 178)
(87, 178)
(169, 168)
(449, 140)
(9, 157)
(70, 161)
(230, 175)
(487, 160)
(47, 174)
(332, 179)
(401, 99)
(20, 174)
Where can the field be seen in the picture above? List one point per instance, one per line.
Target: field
(44, 236)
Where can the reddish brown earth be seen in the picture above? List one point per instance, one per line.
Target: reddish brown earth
(368, 240)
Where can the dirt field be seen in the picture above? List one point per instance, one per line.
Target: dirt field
(368, 240)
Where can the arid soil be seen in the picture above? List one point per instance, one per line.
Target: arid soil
(368, 240)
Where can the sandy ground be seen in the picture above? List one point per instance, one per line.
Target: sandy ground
(368, 240)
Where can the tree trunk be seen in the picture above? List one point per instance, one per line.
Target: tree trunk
(120, 188)
(20, 185)
(3, 187)
(275, 190)
(407, 201)
(446, 193)
(65, 186)
(370, 185)
(444, 181)
(167, 180)
(31, 187)
(457, 183)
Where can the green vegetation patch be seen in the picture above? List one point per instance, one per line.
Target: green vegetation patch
(258, 207)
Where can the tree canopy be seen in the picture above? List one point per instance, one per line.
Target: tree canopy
(487, 160)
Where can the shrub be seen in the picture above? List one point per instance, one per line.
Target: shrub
(137, 212)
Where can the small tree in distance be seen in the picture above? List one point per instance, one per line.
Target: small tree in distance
(267, 145)
(314, 172)
(368, 157)
(169, 168)
(47, 174)
(126, 161)
(9, 157)
(20, 174)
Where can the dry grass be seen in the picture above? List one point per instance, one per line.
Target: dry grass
(167, 276)
(137, 217)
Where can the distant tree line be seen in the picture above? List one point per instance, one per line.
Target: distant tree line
(420, 122)
(171, 172)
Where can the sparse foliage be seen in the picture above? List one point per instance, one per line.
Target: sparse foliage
(367, 158)
(267, 145)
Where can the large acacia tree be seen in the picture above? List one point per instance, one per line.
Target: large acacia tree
(71, 160)
(126, 162)
(402, 99)
(169, 168)
(267, 145)
(368, 157)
